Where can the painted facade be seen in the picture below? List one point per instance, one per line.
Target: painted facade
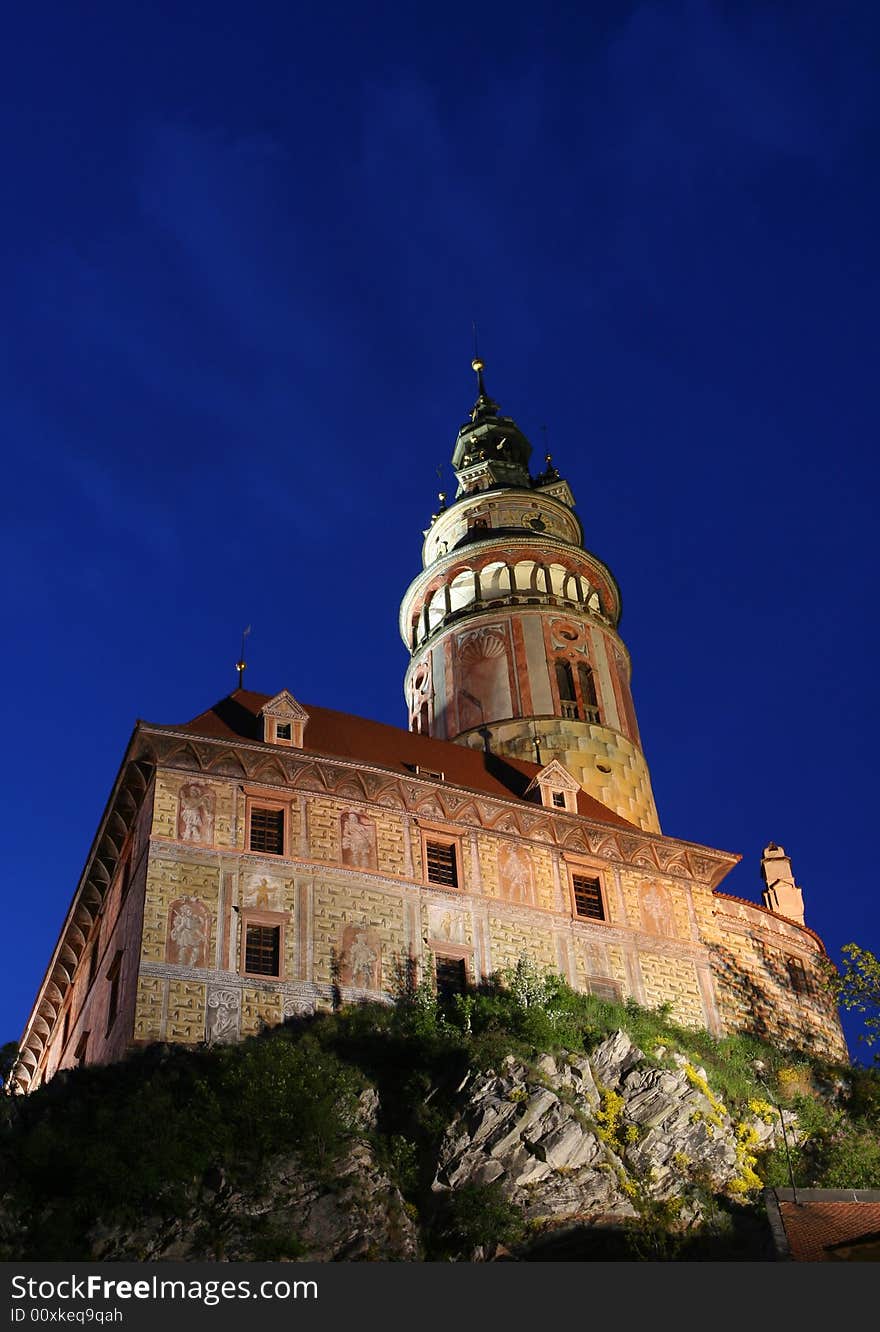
(246, 871)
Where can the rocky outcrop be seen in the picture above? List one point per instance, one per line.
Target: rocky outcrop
(590, 1136)
(606, 1142)
(292, 1216)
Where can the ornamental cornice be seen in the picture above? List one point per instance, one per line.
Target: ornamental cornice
(533, 496)
(117, 822)
(234, 759)
(754, 917)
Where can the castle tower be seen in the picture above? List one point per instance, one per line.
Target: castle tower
(781, 893)
(512, 624)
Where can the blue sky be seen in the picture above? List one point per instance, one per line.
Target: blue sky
(242, 250)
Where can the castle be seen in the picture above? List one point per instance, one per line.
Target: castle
(269, 858)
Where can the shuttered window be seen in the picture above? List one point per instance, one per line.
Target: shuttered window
(262, 950)
(441, 863)
(604, 988)
(267, 830)
(587, 897)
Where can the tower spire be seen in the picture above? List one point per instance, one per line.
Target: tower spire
(491, 443)
(484, 406)
(512, 623)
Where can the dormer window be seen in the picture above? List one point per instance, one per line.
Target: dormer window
(284, 721)
(556, 787)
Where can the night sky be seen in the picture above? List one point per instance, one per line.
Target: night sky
(243, 247)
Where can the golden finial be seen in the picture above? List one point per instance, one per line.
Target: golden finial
(241, 664)
(477, 364)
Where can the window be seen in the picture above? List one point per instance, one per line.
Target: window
(451, 977)
(266, 830)
(284, 720)
(605, 988)
(588, 693)
(587, 893)
(565, 685)
(126, 878)
(113, 976)
(262, 943)
(797, 976)
(578, 699)
(93, 956)
(79, 1053)
(262, 949)
(557, 787)
(441, 865)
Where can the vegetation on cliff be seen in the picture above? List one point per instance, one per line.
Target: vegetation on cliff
(173, 1133)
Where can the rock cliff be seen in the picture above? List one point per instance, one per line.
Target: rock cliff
(580, 1136)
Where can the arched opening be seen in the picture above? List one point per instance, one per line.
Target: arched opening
(589, 698)
(436, 609)
(529, 577)
(494, 581)
(565, 688)
(462, 590)
(558, 575)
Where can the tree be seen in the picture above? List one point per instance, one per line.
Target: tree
(857, 987)
(8, 1060)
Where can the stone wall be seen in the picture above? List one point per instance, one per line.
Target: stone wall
(769, 976)
(352, 895)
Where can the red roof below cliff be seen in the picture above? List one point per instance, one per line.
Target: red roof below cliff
(341, 735)
(820, 1232)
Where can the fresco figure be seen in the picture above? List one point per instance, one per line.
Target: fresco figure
(360, 958)
(515, 873)
(188, 933)
(195, 813)
(657, 913)
(358, 840)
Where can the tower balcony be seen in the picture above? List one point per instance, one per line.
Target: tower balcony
(502, 585)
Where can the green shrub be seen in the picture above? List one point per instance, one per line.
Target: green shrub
(478, 1214)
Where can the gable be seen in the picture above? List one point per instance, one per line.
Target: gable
(284, 707)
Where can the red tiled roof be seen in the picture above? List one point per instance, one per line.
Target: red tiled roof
(812, 1228)
(341, 735)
